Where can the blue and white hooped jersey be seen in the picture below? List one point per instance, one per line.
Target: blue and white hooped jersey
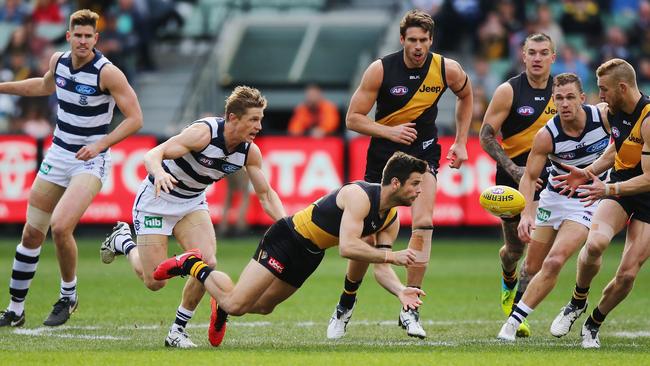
(195, 171)
(85, 111)
(577, 151)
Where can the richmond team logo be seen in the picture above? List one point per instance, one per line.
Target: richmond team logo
(526, 110)
(399, 90)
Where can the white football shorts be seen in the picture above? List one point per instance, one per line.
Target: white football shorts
(60, 165)
(153, 215)
(554, 208)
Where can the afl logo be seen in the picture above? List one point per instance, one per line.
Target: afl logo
(229, 168)
(497, 190)
(526, 110)
(615, 132)
(84, 89)
(399, 90)
(60, 82)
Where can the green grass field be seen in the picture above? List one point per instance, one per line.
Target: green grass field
(119, 321)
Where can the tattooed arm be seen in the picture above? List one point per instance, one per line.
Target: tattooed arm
(496, 114)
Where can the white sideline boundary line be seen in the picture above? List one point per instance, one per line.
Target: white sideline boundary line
(63, 332)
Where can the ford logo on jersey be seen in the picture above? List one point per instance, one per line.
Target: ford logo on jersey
(598, 146)
(525, 110)
(229, 168)
(399, 90)
(85, 89)
(60, 81)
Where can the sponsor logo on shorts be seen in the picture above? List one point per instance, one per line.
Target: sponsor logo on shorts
(399, 90)
(586, 218)
(153, 222)
(45, 168)
(543, 214)
(276, 265)
(526, 110)
(85, 89)
(427, 143)
(136, 224)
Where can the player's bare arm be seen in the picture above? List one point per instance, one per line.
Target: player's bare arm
(386, 277)
(268, 197)
(194, 138)
(495, 115)
(542, 146)
(361, 103)
(460, 84)
(639, 184)
(355, 205)
(113, 80)
(34, 87)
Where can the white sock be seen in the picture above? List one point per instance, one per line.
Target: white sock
(69, 289)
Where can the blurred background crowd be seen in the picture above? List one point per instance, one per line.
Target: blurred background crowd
(183, 56)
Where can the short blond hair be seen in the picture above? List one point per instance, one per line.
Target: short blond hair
(619, 69)
(567, 78)
(416, 18)
(242, 98)
(84, 17)
(539, 37)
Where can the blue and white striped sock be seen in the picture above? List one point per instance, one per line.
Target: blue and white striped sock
(182, 316)
(69, 289)
(23, 271)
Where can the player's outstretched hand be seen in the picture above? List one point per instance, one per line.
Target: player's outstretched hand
(457, 155)
(593, 192)
(525, 227)
(403, 134)
(570, 182)
(410, 297)
(404, 257)
(165, 182)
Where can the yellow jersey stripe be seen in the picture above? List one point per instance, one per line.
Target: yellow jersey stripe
(522, 142)
(303, 224)
(628, 155)
(421, 100)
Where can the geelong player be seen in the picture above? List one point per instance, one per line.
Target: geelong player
(171, 200)
(87, 89)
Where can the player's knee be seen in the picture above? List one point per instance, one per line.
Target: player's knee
(552, 265)
(154, 285)
(32, 238)
(595, 248)
(265, 309)
(625, 279)
(60, 230)
(236, 308)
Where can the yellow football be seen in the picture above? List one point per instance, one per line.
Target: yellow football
(502, 201)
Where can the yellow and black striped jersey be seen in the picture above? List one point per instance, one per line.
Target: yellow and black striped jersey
(530, 110)
(626, 132)
(320, 222)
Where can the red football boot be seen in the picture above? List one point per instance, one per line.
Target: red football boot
(173, 266)
(217, 327)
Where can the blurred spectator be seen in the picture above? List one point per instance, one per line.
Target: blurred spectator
(14, 11)
(47, 11)
(133, 25)
(644, 73)
(35, 117)
(430, 6)
(615, 47)
(458, 20)
(118, 47)
(237, 185)
(35, 43)
(481, 76)
(316, 116)
(547, 25)
(639, 33)
(508, 15)
(493, 37)
(582, 17)
(569, 61)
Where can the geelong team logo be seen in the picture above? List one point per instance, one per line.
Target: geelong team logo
(60, 81)
(229, 168)
(399, 90)
(85, 89)
(526, 110)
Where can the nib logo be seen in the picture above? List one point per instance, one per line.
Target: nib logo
(153, 222)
